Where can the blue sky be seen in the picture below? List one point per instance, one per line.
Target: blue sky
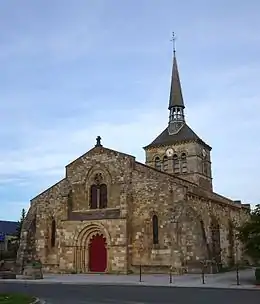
(72, 70)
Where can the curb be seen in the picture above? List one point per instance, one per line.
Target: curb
(137, 284)
(38, 301)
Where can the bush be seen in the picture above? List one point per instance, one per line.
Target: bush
(8, 255)
(257, 275)
(36, 264)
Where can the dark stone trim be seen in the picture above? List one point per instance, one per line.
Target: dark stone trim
(95, 214)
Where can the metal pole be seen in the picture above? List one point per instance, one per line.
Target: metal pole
(170, 275)
(140, 273)
(203, 274)
(237, 270)
(237, 273)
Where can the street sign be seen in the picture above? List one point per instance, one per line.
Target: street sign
(2, 237)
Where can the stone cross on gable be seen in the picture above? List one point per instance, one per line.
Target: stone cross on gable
(98, 144)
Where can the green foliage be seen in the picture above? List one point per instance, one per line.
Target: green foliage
(8, 255)
(15, 299)
(249, 235)
(35, 264)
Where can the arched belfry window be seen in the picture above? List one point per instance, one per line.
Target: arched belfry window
(165, 163)
(98, 193)
(176, 164)
(157, 163)
(183, 163)
(53, 233)
(155, 230)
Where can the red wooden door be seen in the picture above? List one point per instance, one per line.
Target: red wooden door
(97, 254)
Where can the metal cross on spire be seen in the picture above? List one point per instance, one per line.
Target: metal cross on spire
(173, 42)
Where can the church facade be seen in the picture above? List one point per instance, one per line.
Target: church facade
(111, 213)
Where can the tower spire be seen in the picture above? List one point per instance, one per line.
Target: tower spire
(176, 104)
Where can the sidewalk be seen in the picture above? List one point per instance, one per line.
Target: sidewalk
(221, 280)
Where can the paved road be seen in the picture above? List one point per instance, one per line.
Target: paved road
(93, 294)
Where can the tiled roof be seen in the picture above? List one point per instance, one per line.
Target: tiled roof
(185, 134)
(8, 227)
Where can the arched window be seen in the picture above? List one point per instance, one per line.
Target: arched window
(155, 230)
(165, 163)
(53, 233)
(183, 163)
(176, 164)
(215, 240)
(157, 163)
(102, 196)
(93, 197)
(98, 193)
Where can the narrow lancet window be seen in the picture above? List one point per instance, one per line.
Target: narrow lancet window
(93, 197)
(103, 196)
(183, 163)
(53, 233)
(155, 230)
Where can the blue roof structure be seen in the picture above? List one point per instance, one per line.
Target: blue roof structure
(8, 227)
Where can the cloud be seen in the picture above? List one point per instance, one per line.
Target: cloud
(73, 72)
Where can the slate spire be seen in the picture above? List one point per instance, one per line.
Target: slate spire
(176, 98)
(176, 104)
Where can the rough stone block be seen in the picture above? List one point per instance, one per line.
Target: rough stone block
(32, 273)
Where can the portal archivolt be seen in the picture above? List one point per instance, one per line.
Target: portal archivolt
(91, 250)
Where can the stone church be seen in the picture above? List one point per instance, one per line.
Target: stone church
(111, 213)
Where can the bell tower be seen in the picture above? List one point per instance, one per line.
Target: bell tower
(178, 149)
(176, 104)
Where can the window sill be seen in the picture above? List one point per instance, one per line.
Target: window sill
(156, 246)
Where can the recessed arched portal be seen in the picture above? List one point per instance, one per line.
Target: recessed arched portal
(91, 249)
(97, 253)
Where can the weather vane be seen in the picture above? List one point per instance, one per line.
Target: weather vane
(173, 42)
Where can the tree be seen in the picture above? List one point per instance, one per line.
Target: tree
(20, 223)
(249, 235)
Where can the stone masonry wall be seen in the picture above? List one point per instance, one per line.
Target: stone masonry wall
(185, 214)
(68, 255)
(135, 193)
(193, 151)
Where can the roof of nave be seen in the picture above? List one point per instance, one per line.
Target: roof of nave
(184, 135)
(216, 198)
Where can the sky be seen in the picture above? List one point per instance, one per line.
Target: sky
(72, 70)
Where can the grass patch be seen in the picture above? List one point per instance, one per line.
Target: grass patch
(15, 299)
